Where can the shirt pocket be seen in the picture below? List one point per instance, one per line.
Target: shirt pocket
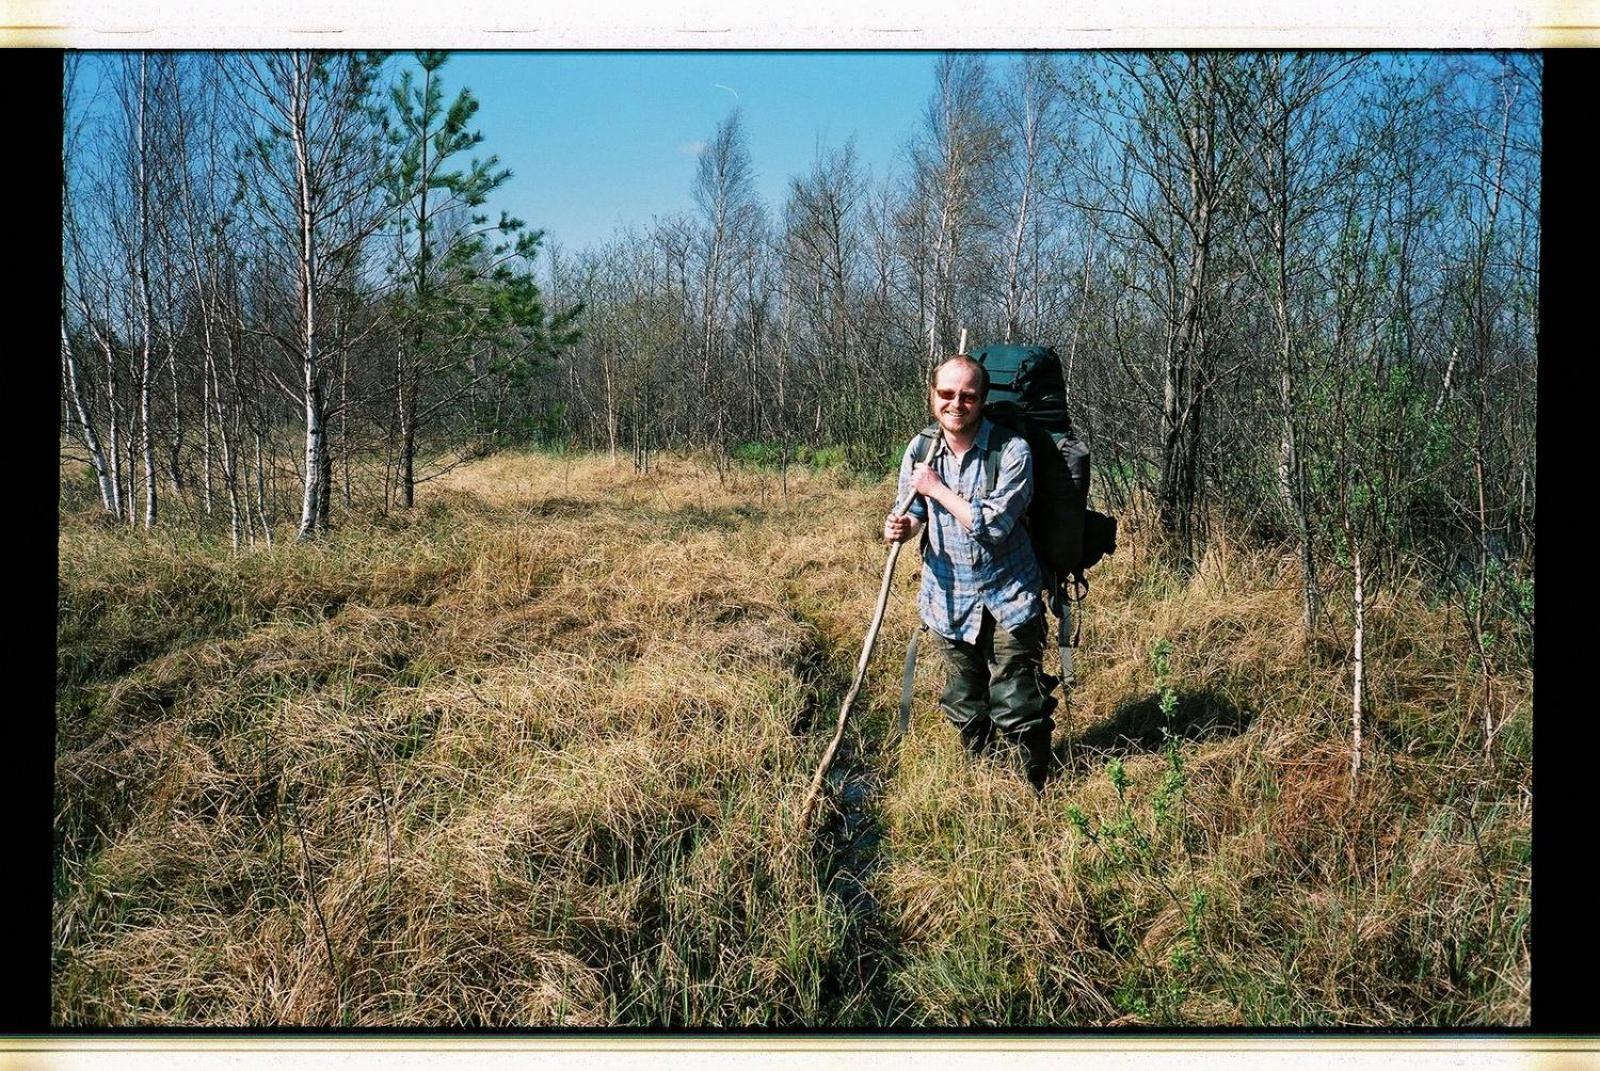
(972, 553)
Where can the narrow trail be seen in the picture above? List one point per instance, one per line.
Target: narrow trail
(847, 850)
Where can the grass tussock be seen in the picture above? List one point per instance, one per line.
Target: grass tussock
(530, 754)
(1201, 859)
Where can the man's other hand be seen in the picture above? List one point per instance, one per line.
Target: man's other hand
(899, 528)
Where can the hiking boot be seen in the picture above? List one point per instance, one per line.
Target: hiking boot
(1036, 757)
(977, 736)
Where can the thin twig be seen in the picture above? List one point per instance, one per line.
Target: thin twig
(311, 891)
(388, 832)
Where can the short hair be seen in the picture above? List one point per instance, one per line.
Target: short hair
(964, 358)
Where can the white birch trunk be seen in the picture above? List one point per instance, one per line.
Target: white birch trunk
(146, 433)
(344, 422)
(1019, 233)
(230, 428)
(205, 433)
(175, 439)
(611, 408)
(262, 513)
(311, 373)
(1356, 690)
(113, 430)
(226, 446)
(91, 439)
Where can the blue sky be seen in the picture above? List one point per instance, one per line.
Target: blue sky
(596, 140)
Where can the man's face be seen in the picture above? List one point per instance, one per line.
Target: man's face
(957, 404)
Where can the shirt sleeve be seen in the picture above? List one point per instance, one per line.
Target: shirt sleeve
(919, 508)
(994, 515)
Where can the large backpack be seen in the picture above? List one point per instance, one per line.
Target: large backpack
(1028, 397)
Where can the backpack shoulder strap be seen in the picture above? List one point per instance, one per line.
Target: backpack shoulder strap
(922, 447)
(998, 437)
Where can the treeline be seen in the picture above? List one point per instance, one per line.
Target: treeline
(281, 282)
(1298, 289)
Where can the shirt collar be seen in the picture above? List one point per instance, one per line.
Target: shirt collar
(981, 442)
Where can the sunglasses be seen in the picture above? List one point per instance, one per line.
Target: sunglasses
(947, 395)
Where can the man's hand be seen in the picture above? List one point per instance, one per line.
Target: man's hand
(901, 527)
(926, 482)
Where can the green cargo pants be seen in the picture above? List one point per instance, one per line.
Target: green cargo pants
(999, 683)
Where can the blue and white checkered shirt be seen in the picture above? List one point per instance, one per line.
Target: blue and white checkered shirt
(993, 565)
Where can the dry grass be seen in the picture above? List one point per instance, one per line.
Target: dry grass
(1260, 892)
(529, 756)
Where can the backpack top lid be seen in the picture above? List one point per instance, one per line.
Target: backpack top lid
(1026, 379)
(1005, 360)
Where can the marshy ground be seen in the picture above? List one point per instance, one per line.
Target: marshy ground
(532, 755)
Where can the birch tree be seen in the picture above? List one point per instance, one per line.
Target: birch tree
(724, 192)
(315, 169)
(1296, 160)
(134, 92)
(1028, 117)
(949, 166)
(821, 257)
(78, 385)
(1161, 182)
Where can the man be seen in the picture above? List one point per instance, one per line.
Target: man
(980, 579)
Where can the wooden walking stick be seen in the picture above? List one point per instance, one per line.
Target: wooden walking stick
(861, 665)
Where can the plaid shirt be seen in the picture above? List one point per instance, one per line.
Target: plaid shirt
(991, 566)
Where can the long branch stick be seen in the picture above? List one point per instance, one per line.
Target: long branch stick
(861, 670)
